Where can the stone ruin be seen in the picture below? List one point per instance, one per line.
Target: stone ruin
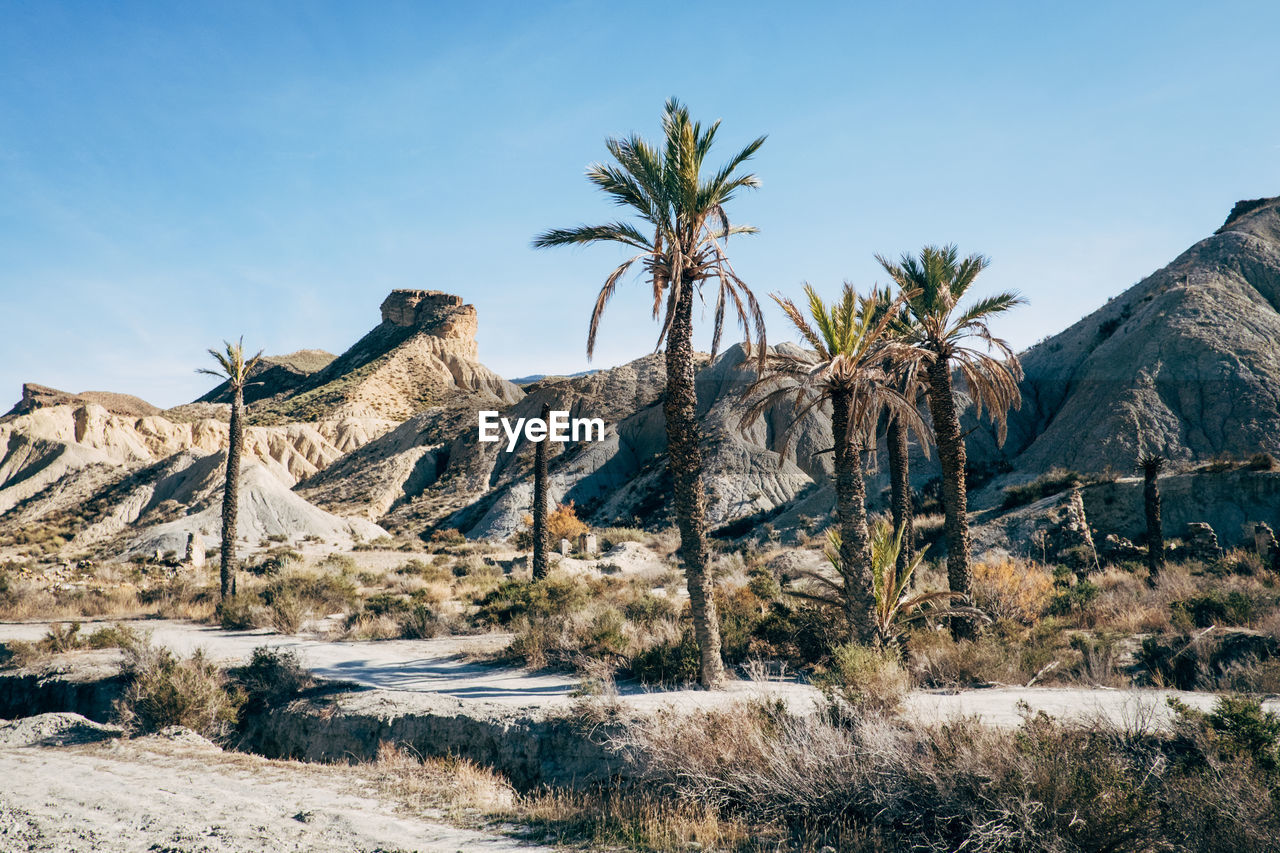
(1118, 549)
(1064, 534)
(1201, 543)
(194, 556)
(1264, 539)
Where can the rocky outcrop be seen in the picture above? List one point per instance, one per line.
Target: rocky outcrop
(485, 491)
(422, 355)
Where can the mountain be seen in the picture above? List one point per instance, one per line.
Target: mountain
(422, 354)
(113, 474)
(42, 397)
(384, 436)
(1185, 363)
(434, 471)
(275, 376)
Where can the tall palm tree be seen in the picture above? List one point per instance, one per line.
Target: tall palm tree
(1151, 465)
(897, 440)
(540, 540)
(944, 335)
(851, 369)
(679, 239)
(235, 370)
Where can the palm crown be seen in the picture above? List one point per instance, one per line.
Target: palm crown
(232, 365)
(680, 240)
(855, 353)
(935, 283)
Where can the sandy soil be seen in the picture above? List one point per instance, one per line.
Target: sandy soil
(180, 794)
(447, 667)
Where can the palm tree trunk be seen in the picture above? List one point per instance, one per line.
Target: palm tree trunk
(1155, 526)
(540, 542)
(955, 500)
(231, 495)
(851, 514)
(684, 455)
(900, 491)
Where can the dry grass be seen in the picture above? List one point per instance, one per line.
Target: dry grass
(879, 784)
(467, 794)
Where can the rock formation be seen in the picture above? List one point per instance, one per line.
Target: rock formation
(421, 355)
(1183, 364)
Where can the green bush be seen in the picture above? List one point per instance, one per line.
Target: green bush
(555, 595)
(668, 663)
(241, 612)
(862, 680)
(1073, 599)
(271, 678)
(420, 622)
(1215, 608)
(649, 609)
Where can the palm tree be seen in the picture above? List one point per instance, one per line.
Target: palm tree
(235, 370)
(1150, 465)
(897, 441)
(850, 370)
(540, 502)
(894, 609)
(942, 333)
(679, 240)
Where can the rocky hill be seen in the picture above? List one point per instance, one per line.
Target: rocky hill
(42, 397)
(422, 354)
(433, 470)
(275, 376)
(1184, 364)
(384, 436)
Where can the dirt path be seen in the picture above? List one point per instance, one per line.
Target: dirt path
(446, 667)
(184, 796)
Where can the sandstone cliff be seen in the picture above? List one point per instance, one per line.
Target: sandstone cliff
(422, 354)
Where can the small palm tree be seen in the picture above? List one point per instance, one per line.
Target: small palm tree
(850, 370)
(679, 241)
(540, 539)
(1151, 465)
(235, 370)
(942, 333)
(895, 609)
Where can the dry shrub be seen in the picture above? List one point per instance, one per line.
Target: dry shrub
(939, 661)
(633, 819)
(453, 785)
(885, 785)
(863, 680)
(165, 690)
(68, 637)
(1013, 589)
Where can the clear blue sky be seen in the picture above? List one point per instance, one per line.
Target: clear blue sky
(177, 173)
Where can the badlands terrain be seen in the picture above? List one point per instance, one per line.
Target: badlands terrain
(385, 617)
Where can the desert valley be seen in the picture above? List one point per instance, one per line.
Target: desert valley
(384, 612)
(561, 426)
